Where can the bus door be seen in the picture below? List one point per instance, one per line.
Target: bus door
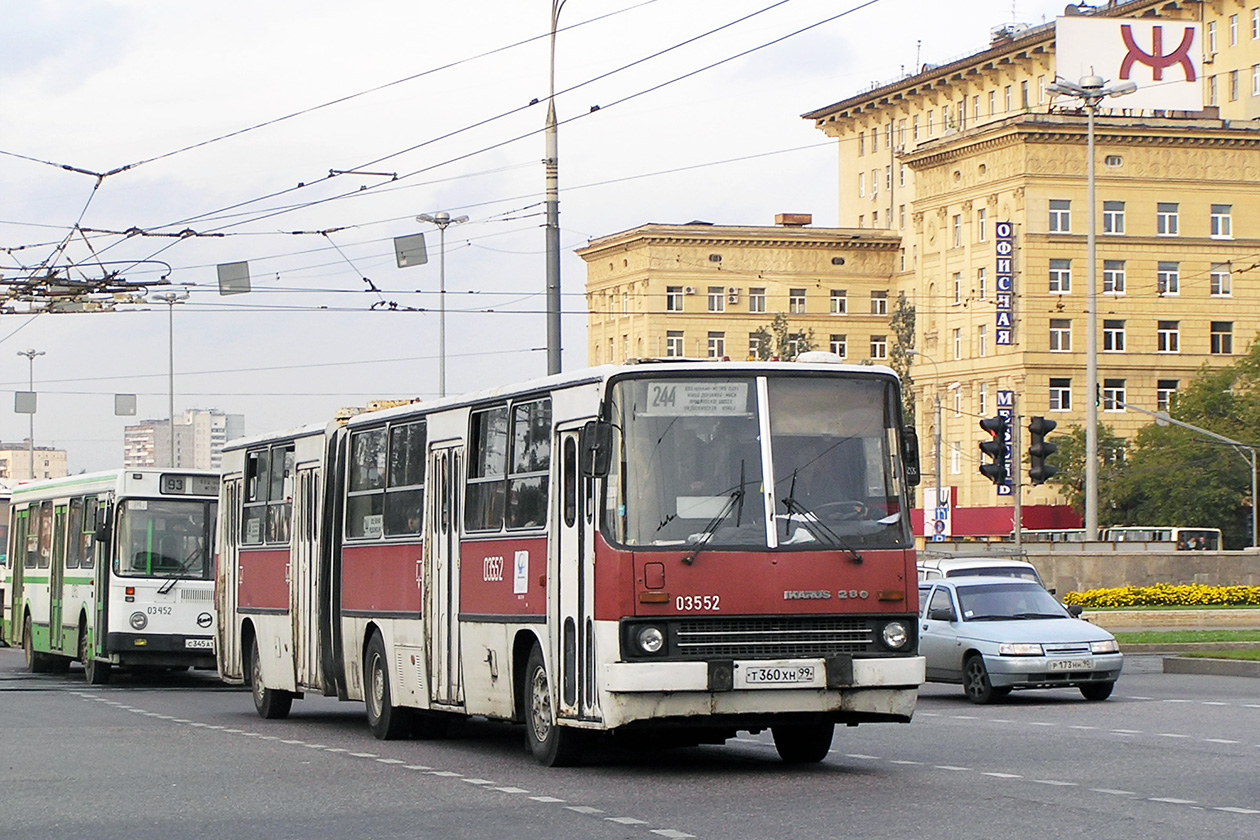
(304, 577)
(57, 578)
(227, 578)
(18, 563)
(442, 574)
(571, 564)
(102, 568)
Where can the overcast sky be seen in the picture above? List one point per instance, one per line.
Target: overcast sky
(229, 117)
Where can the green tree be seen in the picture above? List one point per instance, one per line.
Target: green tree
(780, 341)
(1070, 459)
(899, 357)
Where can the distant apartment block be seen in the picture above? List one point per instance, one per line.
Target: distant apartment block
(198, 440)
(15, 462)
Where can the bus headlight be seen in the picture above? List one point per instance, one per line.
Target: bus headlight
(138, 621)
(650, 639)
(895, 635)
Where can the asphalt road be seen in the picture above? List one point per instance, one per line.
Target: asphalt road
(1169, 756)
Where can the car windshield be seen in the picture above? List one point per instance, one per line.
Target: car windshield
(165, 539)
(1006, 601)
(692, 466)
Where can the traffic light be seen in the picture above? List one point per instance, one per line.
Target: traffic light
(1039, 449)
(995, 449)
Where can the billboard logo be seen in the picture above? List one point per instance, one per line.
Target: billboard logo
(1156, 59)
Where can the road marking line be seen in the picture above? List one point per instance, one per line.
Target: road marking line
(449, 774)
(1173, 801)
(1126, 731)
(1171, 735)
(860, 755)
(364, 755)
(1054, 782)
(584, 809)
(1077, 726)
(626, 820)
(904, 761)
(387, 760)
(1238, 810)
(416, 767)
(545, 799)
(1221, 741)
(1113, 792)
(1040, 723)
(948, 767)
(511, 790)
(1213, 703)
(1004, 775)
(479, 781)
(669, 832)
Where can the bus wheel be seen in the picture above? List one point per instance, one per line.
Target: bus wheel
(94, 671)
(803, 743)
(36, 662)
(271, 703)
(387, 721)
(552, 745)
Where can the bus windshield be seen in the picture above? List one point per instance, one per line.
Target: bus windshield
(692, 467)
(165, 539)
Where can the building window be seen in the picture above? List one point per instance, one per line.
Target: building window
(1060, 215)
(1060, 335)
(957, 401)
(1211, 37)
(1113, 217)
(1222, 338)
(1165, 390)
(1006, 98)
(1023, 95)
(901, 182)
(955, 457)
(901, 132)
(879, 303)
(1255, 23)
(674, 343)
(717, 345)
(796, 301)
(839, 344)
(982, 283)
(931, 124)
(1220, 282)
(1233, 85)
(914, 127)
(982, 225)
(839, 302)
(673, 298)
(861, 144)
(874, 139)
(861, 185)
(1255, 80)
(1060, 394)
(1113, 336)
(975, 107)
(1113, 277)
(879, 347)
(754, 346)
(1168, 336)
(1113, 396)
(717, 299)
(957, 278)
(625, 303)
(957, 343)
(1233, 30)
(1060, 277)
(982, 340)
(992, 102)
(1212, 94)
(757, 299)
(901, 208)
(1168, 278)
(888, 177)
(958, 230)
(982, 399)
(1222, 221)
(1166, 219)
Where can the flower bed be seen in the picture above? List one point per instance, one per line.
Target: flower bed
(1166, 595)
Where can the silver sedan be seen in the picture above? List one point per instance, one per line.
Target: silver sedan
(995, 635)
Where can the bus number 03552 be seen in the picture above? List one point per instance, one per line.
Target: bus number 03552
(697, 603)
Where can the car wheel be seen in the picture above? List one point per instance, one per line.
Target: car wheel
(387, 721)
(1097, 691)
(976, 683)
(803, 744)
(552, 745)
(271, 703)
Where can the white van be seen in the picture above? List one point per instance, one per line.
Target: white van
(935, 568)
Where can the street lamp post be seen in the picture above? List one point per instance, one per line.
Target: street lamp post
(1091, 90)
(443, 220)
(936, 441)
(551, 164)
(30, 384)
(170, 299)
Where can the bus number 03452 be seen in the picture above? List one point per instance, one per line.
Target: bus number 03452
(696, 603)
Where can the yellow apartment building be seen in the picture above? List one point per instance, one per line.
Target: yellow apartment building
(946, 173)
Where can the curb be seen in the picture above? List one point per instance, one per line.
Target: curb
(1211, 667)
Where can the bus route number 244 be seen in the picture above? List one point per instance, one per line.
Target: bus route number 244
(697, 603)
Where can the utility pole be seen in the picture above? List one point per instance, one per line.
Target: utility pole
(30, 444)
(551, 164)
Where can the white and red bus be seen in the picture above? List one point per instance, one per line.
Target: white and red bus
(682, 549)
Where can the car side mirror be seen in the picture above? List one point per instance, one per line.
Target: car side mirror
(941, 614)
(1075, 610)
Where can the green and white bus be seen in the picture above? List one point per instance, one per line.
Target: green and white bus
(112, 569)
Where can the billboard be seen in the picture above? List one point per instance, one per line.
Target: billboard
(1163, 57)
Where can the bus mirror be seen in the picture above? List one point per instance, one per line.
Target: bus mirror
(597, 447)
(101, 532)
(910, 448)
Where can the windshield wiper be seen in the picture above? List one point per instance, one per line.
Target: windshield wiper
(1038, 615)
(815, 526)
(735, 502)
(180, 572)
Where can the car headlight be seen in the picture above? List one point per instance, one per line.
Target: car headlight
(1020, 649)
(650, 639)
(1108, 646)
(895, 635)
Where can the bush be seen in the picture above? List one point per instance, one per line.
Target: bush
(1167, 595)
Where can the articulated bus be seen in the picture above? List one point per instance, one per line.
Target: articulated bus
(676, 551)
(113, 569)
